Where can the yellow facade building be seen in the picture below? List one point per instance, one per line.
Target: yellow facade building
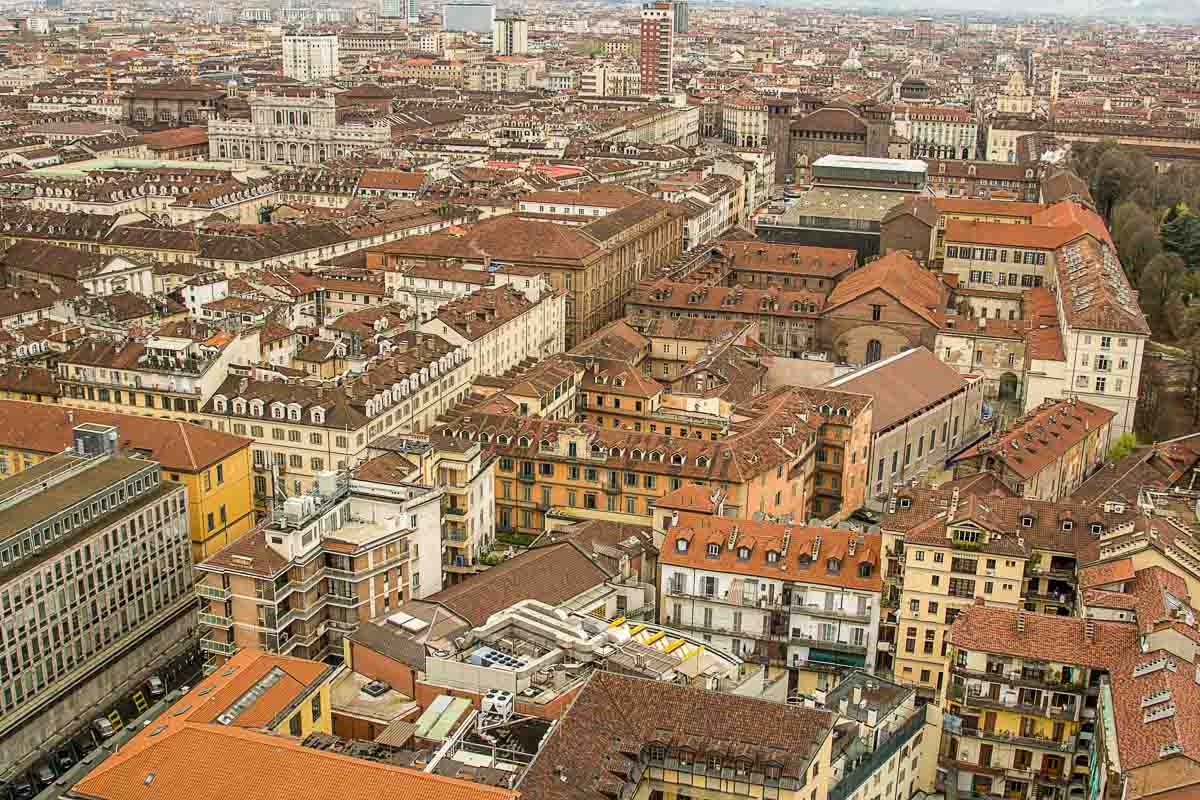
(215, 467)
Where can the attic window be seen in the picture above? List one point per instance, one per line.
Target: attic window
(502, 439)
(864, 569)
(905, 502)
(655, 455)
(677, 459)
(714, 550)
(635, 454)
(826, 410)
(701, 461)
(832, 566)
(483, 438)
(743, 554)
(772, 556)
(681, 545)
(1097, 528)
(843, 412)
(523, 441)
(1067, 524)
(805, 560)
(1026, 521)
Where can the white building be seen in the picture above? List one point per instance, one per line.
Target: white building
(310, 56)
(501, 326)
(293, 130)
(749, 587)
(510, 36)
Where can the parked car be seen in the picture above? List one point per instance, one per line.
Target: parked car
(157, 688)
(44, 774)
(865, 515)
(103, 727)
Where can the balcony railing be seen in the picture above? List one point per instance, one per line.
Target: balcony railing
(220, 648)
(215, 621)
(454, 511)
(1043, 709)
(1052, 680)
(799, 637)
(1025, 740)
(210, 592)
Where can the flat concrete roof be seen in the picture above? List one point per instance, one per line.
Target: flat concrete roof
(868, 162)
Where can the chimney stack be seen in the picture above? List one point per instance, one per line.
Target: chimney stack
(1020, 622)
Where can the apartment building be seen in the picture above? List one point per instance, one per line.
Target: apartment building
(841, 483)
(597, 263)
(500, 327)
(808, 597)
(1046, 454)
(946, 548)
(763, 264)
(213, 466)
(310, 56)
(942, 132)
(675, 343)
(170, 374)
(300, 430)
(357, 546)
(658, 48)
(1022, 701)
(883, 744)
(1102, 330)
(672, 764)
(581, 471)
(787, 319)
(94, 557)
(510, 36)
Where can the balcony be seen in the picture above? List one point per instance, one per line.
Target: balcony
(723, 597)
(342, 625)
(1043, 709)
(526, 477)
(1039, 679)
(219, 648)
(210, 592)
(829, 644)
(835, 613)
(215, 621)
(612, 488)
(343, 601)
(454, 511)
(1022, 740)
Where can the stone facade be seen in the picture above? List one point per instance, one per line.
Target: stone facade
(293, 130)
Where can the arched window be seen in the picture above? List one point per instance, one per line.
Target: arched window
(874, 351)
(714, 550)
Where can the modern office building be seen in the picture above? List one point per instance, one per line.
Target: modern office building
(658, 47)
(310, 56)
(510, 36)
(392, 8)
(681, 15)
(471, 16)
(95, 585)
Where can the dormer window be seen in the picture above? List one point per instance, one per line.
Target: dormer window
(219, 404)
(523, 441)
(1026, 521)
(483, 438)
(681, 545)
(906, 502)
(1097, 529)
(317, 415)
(805, 560)
(1067, 525)
(277, 411)
(677, 459)
(743, 554)
(864, 569)
(256, 407)
(239, 406)
(833, 566)
(772, 556)
(714, 550)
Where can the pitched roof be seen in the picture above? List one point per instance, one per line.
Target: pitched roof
(598, 740)
(1041, 437)
(902, 384)
(1042, 637)
(906, 281)
(552, 574)
(178, 446)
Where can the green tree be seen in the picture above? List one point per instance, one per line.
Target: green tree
(1180, 234)
(1123, 446)
(1136, 248)
(1155, 284)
